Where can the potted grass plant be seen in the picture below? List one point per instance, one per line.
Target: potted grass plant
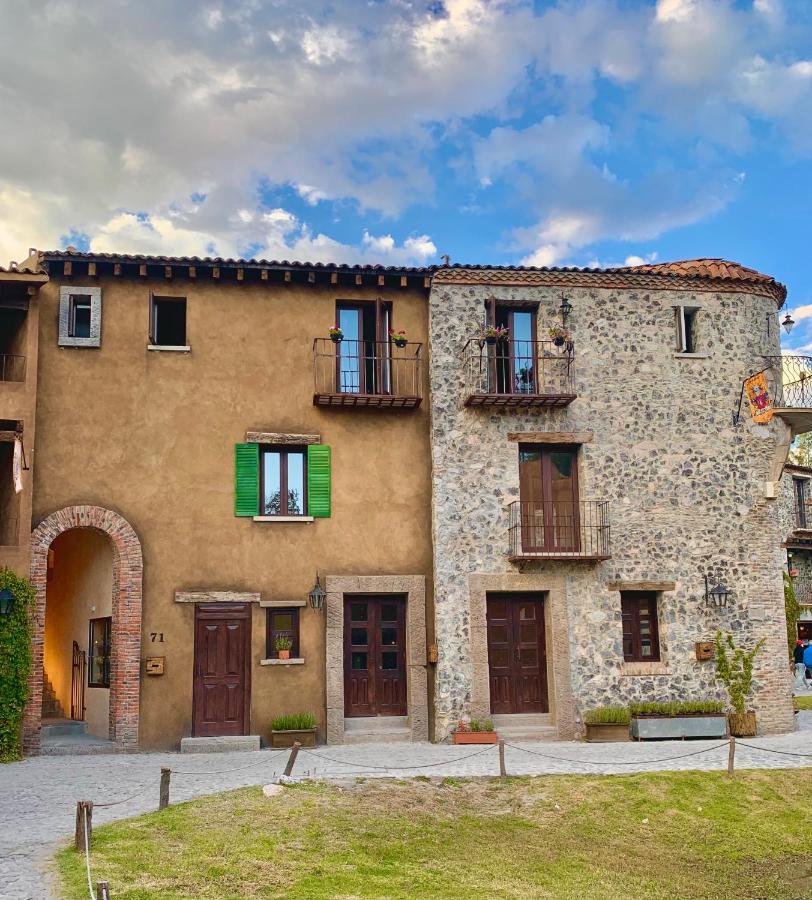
(734, 668)
(475, 731)
(607, 723)
(678, 719)
(292, 727)
(283, 645)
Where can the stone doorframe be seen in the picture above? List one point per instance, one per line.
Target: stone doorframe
(562, 700)
(125, 655)
(414, 589)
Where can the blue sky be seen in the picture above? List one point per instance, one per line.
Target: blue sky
(567, 132)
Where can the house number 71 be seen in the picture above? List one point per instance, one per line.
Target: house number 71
(157, 636)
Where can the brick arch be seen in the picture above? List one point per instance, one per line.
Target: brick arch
(125, 658)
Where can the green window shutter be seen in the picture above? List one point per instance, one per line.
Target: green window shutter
(318, 480)
(246, 479)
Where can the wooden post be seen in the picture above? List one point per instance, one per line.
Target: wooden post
(731, 755)
(163, 796)
(502, 770)
(84, 814)
(294, 752)
(102, 890)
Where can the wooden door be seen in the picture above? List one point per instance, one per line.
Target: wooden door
(374, 656)
(517, 658)
(222, 689)
(548, 488)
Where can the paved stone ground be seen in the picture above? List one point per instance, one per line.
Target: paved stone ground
(38, 796)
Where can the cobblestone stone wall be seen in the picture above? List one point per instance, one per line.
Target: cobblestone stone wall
(686, 489)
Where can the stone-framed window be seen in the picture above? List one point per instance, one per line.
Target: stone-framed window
(641, 632)
(685, 318)
(282, 622)
(79, 316)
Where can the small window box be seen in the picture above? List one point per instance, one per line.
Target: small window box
(304, 736)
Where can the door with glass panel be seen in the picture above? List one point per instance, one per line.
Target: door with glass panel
(363, 357)
(548, 490)
(517, 659)
(515, 359)
(374, 656)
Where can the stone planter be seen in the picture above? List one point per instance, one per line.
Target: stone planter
(742, 724)
(474, 737)
(607, 733)
(664, 728)
(305, 736)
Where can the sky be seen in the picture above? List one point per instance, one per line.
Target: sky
(535, 132)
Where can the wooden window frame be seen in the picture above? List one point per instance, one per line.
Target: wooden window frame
(549, 532)
(108, 629)
(154, 301)
(86, 300)
(283, 450)
(686, 328)
(630, 606)
(800, 490)
(377, 380)
(271, 633)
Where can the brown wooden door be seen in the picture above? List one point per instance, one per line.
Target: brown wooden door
(517, 657)
(222, 669)
(374, 656)
(548, 489)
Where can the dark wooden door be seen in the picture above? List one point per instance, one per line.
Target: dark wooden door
(517, 657)
(548, 489)
(374, 656)
(222, 689)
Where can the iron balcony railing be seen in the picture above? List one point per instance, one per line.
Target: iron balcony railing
(790, 381)
(803, 589)
(559, 529)
(518, 370)
(367, 373)
(12, 367)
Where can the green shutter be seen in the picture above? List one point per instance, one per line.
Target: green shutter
(318, 480)
(246, 479)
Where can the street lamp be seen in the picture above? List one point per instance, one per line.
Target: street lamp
(565, 309)
(317, 594)
(716, 596)
(788, 323)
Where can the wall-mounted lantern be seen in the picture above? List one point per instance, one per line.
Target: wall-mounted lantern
(6, 602)
(565, 309)
(788, 323)
(317, 594)
(716, 596)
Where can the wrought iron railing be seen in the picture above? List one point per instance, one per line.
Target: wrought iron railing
(790, 381)
(531, 368)
(559, 528)
(364, 368)
(803, 589)
(12, 367)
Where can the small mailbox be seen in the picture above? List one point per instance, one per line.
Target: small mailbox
(155, 665)
(705, 650)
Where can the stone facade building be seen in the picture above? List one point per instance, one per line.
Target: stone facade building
(795, 509)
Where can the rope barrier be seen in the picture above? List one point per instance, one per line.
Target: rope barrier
(237, 769)
(442, 762)
(87, 859)
(769, 750)
(125, 800)
(605, 762)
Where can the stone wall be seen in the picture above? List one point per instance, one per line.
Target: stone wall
(686, 489)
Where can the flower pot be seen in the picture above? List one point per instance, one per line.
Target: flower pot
(336, 338)
(742, 724)
(283, 654)
(399, 342)
(490, 339)
(606, 733)
(474, 737)
(305, 736)
(558, 341)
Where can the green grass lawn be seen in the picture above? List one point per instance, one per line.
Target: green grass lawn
(669, 835)
(804, 702)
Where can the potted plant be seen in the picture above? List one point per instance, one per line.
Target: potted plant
(735, 671)
(560, 335)
(336, 334)
(607, 723)
(474, 732)
(283, 646)
(489, 334)
(678, 719)
(287, 729)
(399, 338)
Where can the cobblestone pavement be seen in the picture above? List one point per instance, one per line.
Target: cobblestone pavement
(38, 795)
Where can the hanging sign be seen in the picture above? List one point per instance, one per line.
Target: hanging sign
(758, 396)
(17, 466)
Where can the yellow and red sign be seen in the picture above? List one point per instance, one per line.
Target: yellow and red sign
(758, 396)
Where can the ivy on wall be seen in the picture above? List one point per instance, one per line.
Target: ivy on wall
(793, 611)
(15, 662)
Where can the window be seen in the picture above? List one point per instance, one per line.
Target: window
(168, 322)
(282, 623)
(686, 328)
(79, 316)
(800, 501)
(641, 642)
(98, 656)
(283, 478)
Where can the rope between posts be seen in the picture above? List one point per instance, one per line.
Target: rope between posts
(769, 750)
(237, 769)
(87, 857)
(442, 762)
(605, 762)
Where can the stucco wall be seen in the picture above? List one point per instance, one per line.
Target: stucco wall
(685, 487)
(151, 435)
(80, 589)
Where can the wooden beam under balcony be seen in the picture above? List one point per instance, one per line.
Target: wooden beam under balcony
(520, 401)
(372, 401)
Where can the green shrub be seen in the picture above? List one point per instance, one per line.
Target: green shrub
(678, 708)
(478, 726)
(15, 662)
(735, 671)
(793, 611)
(608, 715)
(282, 643)
(294, 722)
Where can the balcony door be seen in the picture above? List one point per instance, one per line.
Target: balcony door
(514, 367)
(548, 489)
(363, 358)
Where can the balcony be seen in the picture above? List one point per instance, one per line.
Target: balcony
(557, 529)
(518, 374)
(803, 589)
(789, 381)
(367, 374)
(12, 367)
